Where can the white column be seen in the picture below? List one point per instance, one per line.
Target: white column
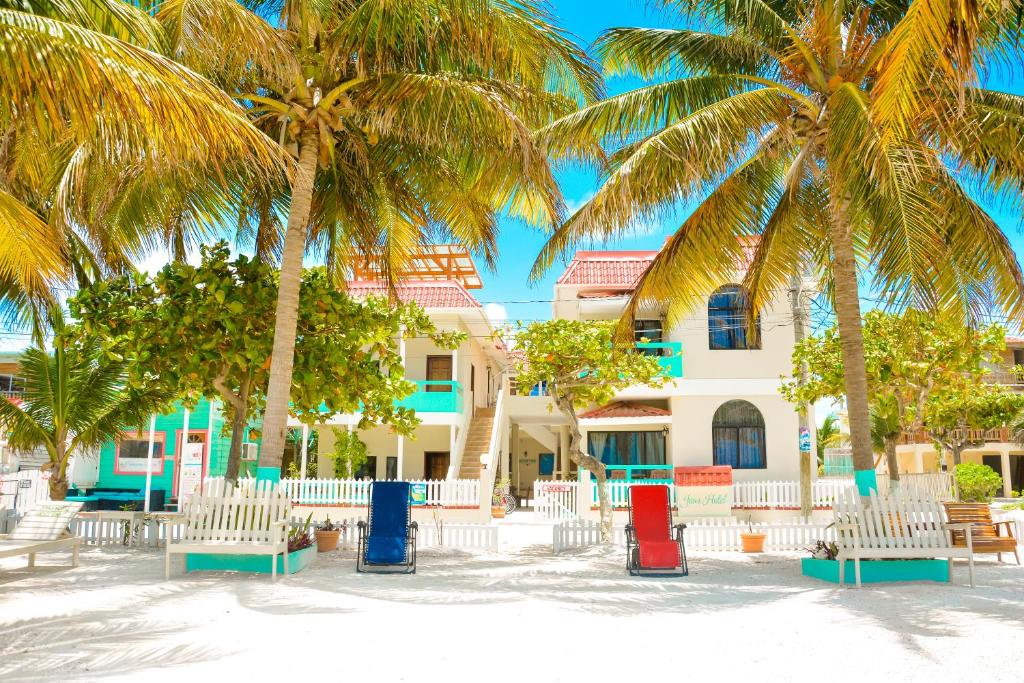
(565, 463)
(181, 449)
(305, 451)
(209, 446)
(401, 346)
(455, 365)
(401, 458)
(149, 462)
(1004, 457)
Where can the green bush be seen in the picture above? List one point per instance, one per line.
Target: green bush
(977, 483)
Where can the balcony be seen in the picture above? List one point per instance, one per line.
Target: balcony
(670, 356)
(997, 435)
(447, 397)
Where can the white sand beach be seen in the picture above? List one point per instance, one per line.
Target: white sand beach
(522, 615)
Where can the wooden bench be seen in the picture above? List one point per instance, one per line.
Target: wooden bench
(248, 519)
(900, 526)
(985, 537)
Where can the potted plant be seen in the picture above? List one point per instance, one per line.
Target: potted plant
(327, 535)
(753, 542)
(497, 498)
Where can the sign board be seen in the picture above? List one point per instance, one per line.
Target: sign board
(703, 491)
(554, 488)
(418, 494)
(190, 474)
(805, 440)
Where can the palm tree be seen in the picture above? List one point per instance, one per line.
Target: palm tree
(94, 124)
(408, 122)
(828, 436)
(785, 123)
(75, 399)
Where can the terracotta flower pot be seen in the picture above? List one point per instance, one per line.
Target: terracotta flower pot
(752, 543)
(497, 511)
(327, 541)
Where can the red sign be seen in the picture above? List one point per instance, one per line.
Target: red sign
(712, 475)
(556, 488)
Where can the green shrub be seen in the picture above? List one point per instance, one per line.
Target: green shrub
(977, 483)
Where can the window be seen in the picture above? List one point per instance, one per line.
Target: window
(9, 384)
(368, 470)
(628, 448)
(649, 330)
(737, 435)
(133, 450)
(391, 468)
(727, 321)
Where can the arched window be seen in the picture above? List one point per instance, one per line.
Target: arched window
(727, 321)
(737, 436)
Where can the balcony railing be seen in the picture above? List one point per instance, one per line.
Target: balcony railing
(1010, 375)
(442, 397)
(649, 474)
(997, 435)
(670, 356)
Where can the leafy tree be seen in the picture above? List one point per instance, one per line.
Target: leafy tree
(976, 483)
(209, 331)
(108, 148)
(406, 121)
(349, 453)
(583, 363)
(907, 359)
(957, 414)
(75, 399)
(783, 123)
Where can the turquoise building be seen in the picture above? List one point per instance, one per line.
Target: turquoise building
(122, 465)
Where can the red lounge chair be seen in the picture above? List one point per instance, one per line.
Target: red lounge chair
(653, 545)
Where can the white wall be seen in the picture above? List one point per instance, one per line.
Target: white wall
(382, 442)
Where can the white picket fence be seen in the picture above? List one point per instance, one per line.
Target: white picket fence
(929, 485)
(442, 492)
(555, 499)
(776, 495)
(709, 534)
(16, 497)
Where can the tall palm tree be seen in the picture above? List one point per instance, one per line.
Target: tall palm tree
(799, 125)
(95, 125)
(75, 399)
(408, 121)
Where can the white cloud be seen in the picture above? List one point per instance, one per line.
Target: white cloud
(496, 313)
(574, 205)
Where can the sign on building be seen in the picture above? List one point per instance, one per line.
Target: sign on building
(704, 491)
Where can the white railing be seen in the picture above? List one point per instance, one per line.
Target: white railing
(18, 497)
(618, 491)
(709, 534)
(555, 499)
(499, 432)
(774, 495)
(929, 485)
(442, 492)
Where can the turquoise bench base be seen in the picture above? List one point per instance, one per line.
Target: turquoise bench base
(258, 564)
(878, 571)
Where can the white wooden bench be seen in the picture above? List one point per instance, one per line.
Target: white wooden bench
(900, 526)
(43, 529)
(248, 519)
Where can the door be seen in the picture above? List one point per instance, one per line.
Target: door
(435, 464)
(439, 369)
(190, 463)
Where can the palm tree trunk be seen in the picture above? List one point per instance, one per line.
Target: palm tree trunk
(851, 339)
(275, 419)
(58, 484)
(892, 463)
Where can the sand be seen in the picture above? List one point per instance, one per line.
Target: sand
(521, 615)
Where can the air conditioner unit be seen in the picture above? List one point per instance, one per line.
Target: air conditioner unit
(250, 452)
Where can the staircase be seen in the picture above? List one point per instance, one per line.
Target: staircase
(478, 441)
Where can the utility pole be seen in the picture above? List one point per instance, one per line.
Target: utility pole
(796, 300)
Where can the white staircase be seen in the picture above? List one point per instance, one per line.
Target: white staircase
(478, 442)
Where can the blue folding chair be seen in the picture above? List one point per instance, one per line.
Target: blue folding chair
(387, 542)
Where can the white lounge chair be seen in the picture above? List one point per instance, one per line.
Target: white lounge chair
(42, 530)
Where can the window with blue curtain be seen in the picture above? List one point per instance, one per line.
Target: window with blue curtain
(737, 435)
(628, 448)
(728, 327)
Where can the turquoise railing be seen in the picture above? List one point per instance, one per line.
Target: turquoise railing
(670, 358)
(445, 399)
(649, 474)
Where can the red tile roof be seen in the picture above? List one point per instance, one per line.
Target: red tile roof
(625, 409)
(449, 294)
(1016, 341)
(609, 268)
